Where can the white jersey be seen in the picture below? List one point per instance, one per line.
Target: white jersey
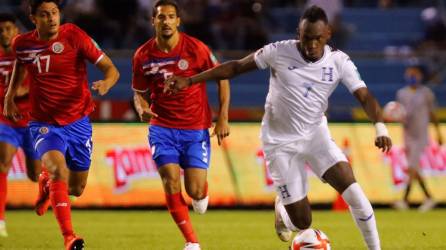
(299, 90)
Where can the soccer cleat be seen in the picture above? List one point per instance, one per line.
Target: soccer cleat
(43, 199)
(200, 206)
(427, 205)
(3, 232)
(192, 246)
(401, 205)
(74, 242)
(282, 231)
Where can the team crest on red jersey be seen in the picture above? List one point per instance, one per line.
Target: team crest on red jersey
(183, 64)
(57, 47)
(43, 130)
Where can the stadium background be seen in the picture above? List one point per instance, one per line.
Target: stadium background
(382, 37)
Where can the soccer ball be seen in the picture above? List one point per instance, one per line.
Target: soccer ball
(394, 112)
(310, 239)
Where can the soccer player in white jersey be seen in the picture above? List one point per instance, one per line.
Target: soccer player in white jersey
(304, 73)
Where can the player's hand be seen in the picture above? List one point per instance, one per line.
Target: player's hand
(174, 84)
(221, 130)
(384, 143)
(11, 111)
(101, 87)
(146, 114)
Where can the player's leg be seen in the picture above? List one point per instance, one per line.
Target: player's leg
(195, 182)
(166, 156)
(413, 159)
(7, 152)
(414, 152)
(341, 177)
(196, 145)
(330, 164)
(33, 168)
(33, 163)
(178, 209)
(292, 208)
(52, 145)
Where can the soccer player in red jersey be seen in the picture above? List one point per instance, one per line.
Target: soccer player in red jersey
(178, 131)
(13, 134)
(54, 55)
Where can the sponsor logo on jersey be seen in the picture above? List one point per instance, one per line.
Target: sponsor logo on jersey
(57, 47)
(183, 64)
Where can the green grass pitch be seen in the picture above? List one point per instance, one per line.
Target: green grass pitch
(219, 230)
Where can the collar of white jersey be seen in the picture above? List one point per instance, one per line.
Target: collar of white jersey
(324, 55)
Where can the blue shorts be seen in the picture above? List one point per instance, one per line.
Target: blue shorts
(188, 148)
(72, 140)
(19, 138)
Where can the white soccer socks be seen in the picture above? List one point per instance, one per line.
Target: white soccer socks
(363, 215)
(200, 206)
(283, 229)
(192, 246)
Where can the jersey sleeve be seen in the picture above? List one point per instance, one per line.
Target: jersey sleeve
(138, 80)
(265, 56)
(21, 57)
(351, 77)
(209, 59)
(88, 47)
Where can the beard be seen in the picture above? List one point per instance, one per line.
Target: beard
(166, 36)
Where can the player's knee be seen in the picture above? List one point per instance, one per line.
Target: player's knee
(5, 164)
(76, 190)
(58, 173)
(4, 167)
(195, 192)
(172, 185)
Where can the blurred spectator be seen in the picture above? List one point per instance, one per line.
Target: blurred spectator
(195, 21)
(385, 4)
(239, 24)
(419, 103)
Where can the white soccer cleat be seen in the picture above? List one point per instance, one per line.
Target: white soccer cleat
(200, 206)
(192, 246)
(3, 232)
(282, 231)
(427, 205)
(401, 205)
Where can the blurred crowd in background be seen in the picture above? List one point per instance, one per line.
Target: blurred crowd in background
(383, 37)
(222, 24)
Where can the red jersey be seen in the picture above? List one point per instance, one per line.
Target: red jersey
(59, 90)
(6, 65)
(189, 108)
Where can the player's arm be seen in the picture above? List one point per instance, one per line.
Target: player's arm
(10, 109)
(222, 129)
(374, 112)
(22, 90)
(433, 116)
(111, 75)
(142, 105)
(226, 70)
(434, 120)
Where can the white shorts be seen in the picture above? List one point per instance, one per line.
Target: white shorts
(286, 162)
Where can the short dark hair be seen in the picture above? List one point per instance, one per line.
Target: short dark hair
(314, 14)
(7, 17)
(34, 4)
(164, 3)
